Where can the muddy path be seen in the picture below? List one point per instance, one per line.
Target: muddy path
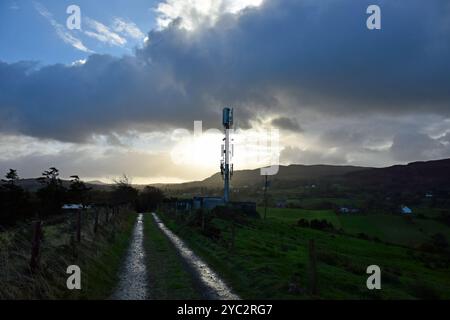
(133, 277)
(209, 282)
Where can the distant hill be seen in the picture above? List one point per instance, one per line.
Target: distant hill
(423, 175)
(433, 175)
(286, 175)
(33, 185)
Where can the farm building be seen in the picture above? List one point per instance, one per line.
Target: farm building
(184, 204)
(72, 206)
(281, 204)
(406, 210)
(207, 203)
(348, 210)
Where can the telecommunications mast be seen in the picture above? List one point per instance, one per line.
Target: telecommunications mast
(226, 168)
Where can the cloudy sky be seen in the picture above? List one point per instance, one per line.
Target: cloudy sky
(121, 94)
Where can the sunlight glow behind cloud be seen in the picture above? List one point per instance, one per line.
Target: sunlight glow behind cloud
(193, 13)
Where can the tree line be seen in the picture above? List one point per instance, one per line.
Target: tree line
(18, 204)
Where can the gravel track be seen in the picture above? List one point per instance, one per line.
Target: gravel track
(133, 279)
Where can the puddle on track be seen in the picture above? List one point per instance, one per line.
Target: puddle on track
(215, 287)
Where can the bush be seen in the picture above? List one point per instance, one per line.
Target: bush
(363, 236)
(212, 232)
(321, 225)
(437, 244)
(439, 241)
(303, 223)
(444, 218)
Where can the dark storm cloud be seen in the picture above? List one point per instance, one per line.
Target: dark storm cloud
(310, 157)
(418, 146)
(316, 54)
(286, 124)
(71, 103)
(373, 141)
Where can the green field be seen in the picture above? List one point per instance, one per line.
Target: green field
(270, 257)
(313, 203)
(395, 229)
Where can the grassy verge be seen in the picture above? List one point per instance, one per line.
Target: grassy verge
(270, 261)
(103, 264)
(168, 277)
(98, 256)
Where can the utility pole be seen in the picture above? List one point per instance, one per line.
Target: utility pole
(265, 197)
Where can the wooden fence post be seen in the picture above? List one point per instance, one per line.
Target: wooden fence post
(113, 224)
(79, 226)
(312, 267)
(233, 234)
(203, 219)
(36, 245)
(96, 220)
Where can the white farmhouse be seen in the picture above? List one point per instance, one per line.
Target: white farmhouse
(406, 210)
